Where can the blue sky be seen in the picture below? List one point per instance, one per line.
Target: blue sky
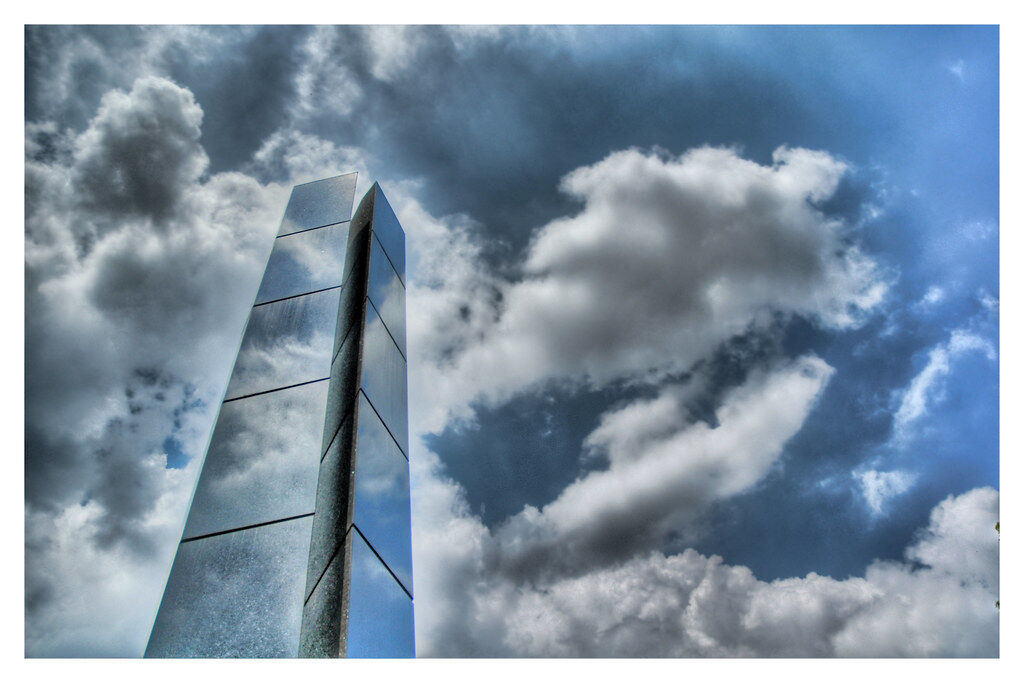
(703, 317)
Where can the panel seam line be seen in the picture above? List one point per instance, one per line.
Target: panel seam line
(386, 428)
(388, 257)
(296, 296)
(243, 528)
(319, 227)
(381, 318)
(382, 561)
(270, 391)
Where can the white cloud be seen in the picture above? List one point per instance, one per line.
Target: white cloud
(88, 600)
(987, 301)
(669, 257)
(323, 83)
(301, 157)
(692, 605)
(958, 69)
(139, 271)
(975, 231)
(453, 301)
(392, 49)
(957, 541)
(879, 488)
(934, 295)
(663, 473)
(926, 387)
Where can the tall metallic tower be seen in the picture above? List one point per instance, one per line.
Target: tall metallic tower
(298, 537)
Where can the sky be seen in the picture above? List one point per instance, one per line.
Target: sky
(703, 322)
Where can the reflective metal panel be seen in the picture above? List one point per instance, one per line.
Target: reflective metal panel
(286, 342)
(235, 595)
(389, 232)
(380, 616)
(382, 494)
(319, 203)
(262, 462)
(332, 504)
(304, 262)
(384, 379)
(387, 293)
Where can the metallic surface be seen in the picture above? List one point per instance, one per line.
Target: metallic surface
(298, 539)
(359, 577)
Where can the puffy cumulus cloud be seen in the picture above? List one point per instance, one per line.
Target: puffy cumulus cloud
(692, 605)
(139, 270)
(664, 471)
(140, 152)
(668, 258)
(926, 387)
(960, 553)
(951, 541)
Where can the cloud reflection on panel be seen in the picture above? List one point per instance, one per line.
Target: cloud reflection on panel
(263, 461)
(384, 378)
(389, 232)
(382, 494)
(319, 203)
(253, 577)
(387, 293)
(304, 262)
(286, 343)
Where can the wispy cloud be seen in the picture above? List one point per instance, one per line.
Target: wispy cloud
(879, 488)
(958, 69)
(925, 388)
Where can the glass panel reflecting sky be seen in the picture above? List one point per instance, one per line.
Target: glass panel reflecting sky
(285, 343)
(304, 262)
(235, 595)
(384, 378)
(262, 462)
(319, 203)
(382, 494)
(389, 232)
(387, 293)
(239, 592)
(380, 616)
